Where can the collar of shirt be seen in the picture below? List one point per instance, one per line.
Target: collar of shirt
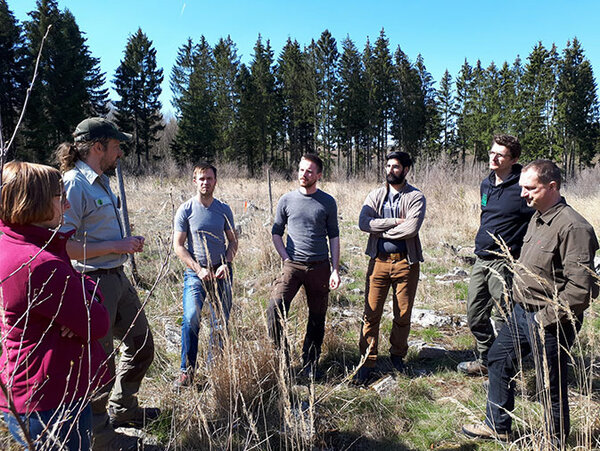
(393, 195)
(87, 171)
(549, 214)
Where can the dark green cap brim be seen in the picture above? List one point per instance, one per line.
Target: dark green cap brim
(98, 128)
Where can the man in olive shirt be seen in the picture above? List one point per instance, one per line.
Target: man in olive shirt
(553, 285)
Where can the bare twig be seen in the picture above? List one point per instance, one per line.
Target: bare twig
(4, 149)
(13, 411)
(35, 73)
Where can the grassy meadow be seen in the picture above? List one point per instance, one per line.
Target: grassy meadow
(248, 401)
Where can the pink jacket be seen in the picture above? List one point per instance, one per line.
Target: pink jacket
(40, 292)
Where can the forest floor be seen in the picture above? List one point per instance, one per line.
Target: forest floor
(248, 401)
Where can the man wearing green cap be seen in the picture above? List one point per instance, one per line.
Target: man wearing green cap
(99, 249)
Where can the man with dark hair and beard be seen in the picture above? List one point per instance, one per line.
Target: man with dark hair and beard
(392, 215)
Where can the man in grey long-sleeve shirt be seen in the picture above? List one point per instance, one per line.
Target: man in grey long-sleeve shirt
(311, 218)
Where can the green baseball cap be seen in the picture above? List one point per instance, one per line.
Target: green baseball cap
(97, 128)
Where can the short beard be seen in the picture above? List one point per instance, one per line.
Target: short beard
(308, 184)
(395, 180)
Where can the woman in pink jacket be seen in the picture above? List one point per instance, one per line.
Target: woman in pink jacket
(50, 317)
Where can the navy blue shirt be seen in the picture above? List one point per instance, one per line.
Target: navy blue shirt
(504, 214)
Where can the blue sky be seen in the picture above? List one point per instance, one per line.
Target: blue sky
(444, 32)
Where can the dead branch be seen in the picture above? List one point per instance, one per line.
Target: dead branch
(4, 149)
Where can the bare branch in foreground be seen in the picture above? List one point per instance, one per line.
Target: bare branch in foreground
(4, 149)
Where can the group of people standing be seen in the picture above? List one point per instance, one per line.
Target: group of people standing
(65, 296)
(535, 268)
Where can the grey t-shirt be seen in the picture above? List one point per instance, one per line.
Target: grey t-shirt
(205, 228)
(310, 219)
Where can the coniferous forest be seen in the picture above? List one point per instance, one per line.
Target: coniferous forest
(350, 105)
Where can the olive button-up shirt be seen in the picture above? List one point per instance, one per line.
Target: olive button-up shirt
(555, 271)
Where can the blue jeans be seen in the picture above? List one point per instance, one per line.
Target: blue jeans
(517, 338)
(217, 294)
(74, 427)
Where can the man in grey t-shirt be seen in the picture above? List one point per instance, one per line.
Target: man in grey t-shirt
(311, 218)
(206, 224)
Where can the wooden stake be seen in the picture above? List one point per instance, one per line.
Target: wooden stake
(270, 193)
(125, 220)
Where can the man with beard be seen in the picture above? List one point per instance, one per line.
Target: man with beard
(311, 218)
(99, 248)
(392, 215)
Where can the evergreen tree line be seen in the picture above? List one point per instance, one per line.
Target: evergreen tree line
(69, 85)
(349, 106)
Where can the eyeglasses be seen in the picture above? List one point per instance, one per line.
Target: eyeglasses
(493, 154)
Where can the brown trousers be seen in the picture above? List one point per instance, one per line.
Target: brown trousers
(315, 279)
(381, 275)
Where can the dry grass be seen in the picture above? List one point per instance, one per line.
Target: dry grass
(251, 403)
(247, 399)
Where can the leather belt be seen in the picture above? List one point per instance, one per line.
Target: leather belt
(101, 271)
(395, 256)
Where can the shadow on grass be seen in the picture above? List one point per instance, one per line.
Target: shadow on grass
(354, 441)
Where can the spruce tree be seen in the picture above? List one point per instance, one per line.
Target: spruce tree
(69, 85)
(409, 120)
(446, 104)
(382, 93)
(507, 120)
(137, 81)
(266, 102)
(294, 78)
(225, 71)
(464, 109)
(327, 57)
(12, 74)
(370, 107)
(577, 107)
(351, 104)
(430, 140)
(181, 74)
(538, 101)
(480, 117)
(246, 132)
(491, 106)
(197, 134)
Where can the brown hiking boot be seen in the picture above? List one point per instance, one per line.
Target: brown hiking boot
(484, 432)
(138, 417)
(473, 368)
(185, 379)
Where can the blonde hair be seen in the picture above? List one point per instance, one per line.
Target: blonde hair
(27, 192)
